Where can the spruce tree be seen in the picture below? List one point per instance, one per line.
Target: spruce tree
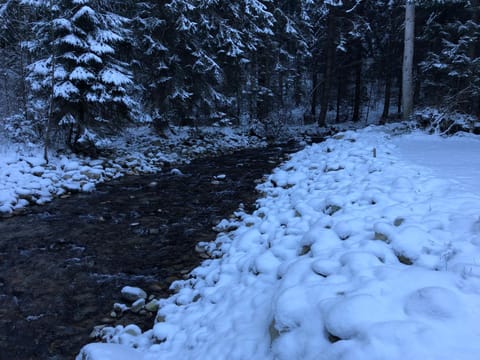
(78, 72)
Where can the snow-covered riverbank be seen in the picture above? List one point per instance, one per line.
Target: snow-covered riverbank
(26, 179)
(366, 246)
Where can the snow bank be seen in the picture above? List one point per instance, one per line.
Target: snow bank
(348, 256)
(26, 179)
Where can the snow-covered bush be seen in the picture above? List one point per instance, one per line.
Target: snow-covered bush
(446, 122)
(18, 129)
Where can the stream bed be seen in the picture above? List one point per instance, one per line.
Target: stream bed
(62, 265)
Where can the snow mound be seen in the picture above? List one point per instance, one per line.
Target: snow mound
(351, 254)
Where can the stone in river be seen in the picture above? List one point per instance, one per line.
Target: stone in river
(131, 293)
(138, 305)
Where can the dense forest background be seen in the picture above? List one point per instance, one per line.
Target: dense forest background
(86, 65)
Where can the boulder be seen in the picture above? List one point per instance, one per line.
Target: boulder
(132, 294)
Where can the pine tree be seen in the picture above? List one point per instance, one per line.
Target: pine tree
(78, 68)
(451, 69)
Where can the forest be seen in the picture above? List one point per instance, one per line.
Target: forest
(198, 179)
(70, 68)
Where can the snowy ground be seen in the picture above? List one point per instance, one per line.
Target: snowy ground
(348, 256)
(26, 179)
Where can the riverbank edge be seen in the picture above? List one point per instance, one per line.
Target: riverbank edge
(26, 179)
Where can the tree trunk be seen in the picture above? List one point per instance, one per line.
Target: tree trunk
(407, 70)
(399, 99)
(329, 53)
(52, 90)
(24, 87)
(339, 98)
(281, 97)
(388, 95)
(358, 89)
(313, 107)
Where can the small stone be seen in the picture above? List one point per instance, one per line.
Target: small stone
(92, 174)
(152, 306)
(176, 172)
(107, 320)
(120, 308)
(156, 288)
(113, 314)
(97, 332)
(153, 184)
(134, 224)
(133, 330)
(381, 237)
(38, 171)
(201, 248)
(220, 177)
(131, 293)
(137, 305)
(88, 187)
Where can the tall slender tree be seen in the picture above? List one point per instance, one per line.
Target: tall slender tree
(407, 70)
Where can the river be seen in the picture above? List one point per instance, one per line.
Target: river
(62, 265)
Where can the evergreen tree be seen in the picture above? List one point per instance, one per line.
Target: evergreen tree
(451, 68)
(199, 61)
(78, 68)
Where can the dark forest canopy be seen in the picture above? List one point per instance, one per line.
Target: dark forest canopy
(95, 63)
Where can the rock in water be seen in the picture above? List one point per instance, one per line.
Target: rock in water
(131, 293)
(138, 305)
(176, 172)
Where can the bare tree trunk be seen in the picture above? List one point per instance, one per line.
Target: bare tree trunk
(6, 92)
(388, 95)
(24, 96)
(52, 91)
(339, 98)
(358, 89)
(407, 71)
(329, 53)
(313, 108)
(399, 96)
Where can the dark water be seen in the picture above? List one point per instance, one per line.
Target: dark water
(62, 265)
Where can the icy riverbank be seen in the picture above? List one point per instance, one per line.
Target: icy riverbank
(359, 249)
(26, 179)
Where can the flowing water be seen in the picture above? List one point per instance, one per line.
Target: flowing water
(62, 265)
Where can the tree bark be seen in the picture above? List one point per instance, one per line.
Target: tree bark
(388, 95)
(339, 98)
(358, 88)
(329, 53)
(313, 107)
(52, 90)
(407, 69)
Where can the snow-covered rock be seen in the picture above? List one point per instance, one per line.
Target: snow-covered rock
(348, 256)
(25, 178)
(132, 293)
